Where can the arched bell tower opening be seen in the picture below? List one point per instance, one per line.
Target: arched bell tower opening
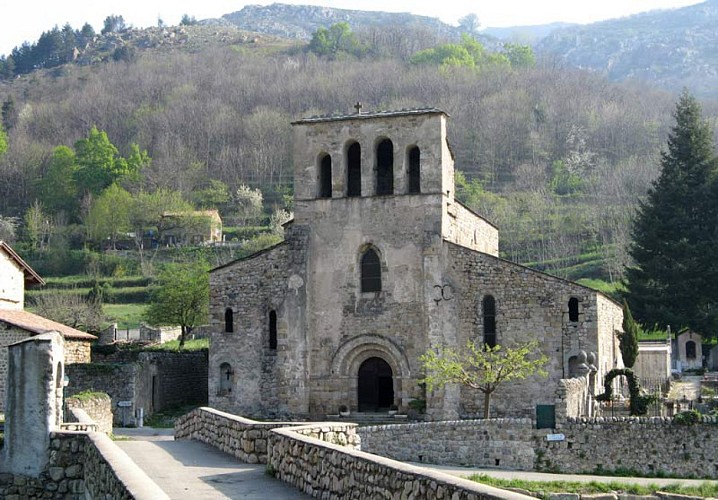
(375, 385)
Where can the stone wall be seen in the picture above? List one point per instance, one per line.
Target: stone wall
(152, 381)
(572, 398)
(98, 407)
(465, 228)
(330, 471)
(77, 351)
(160, 334)
(505, 443)
(240, 437)
(7, 337)
(653, 361)
(530, 305)
(83, 465)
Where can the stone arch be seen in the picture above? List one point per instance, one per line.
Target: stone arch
(384, 154)
(226, 379)
(353, 168)
(324, 179)
(349, 357)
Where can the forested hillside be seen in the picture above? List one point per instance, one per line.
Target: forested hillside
(557, 158)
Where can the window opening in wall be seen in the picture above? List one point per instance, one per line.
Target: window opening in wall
(354, 170)
(690, 350)
(370, 272)
(225, 378)
(272, 330)
(325, 177)
(573, 309)
(414, 170)
(229, 320)
(385, 167)
(489, 307)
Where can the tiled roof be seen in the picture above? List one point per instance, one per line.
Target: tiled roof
(37, 324)
(30, 274)
(368, 115)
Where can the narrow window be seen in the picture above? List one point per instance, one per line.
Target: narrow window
(385, 167)
(325, 177)
(225, 378)
(573, 309)
(690, 350)
(489, 307)
(229, 320)
(354, 170)
(414, 170)
(272, 330)
(370, 272)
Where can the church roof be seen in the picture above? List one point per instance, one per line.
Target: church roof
(37, 324)
(30, 274)
(369, 115)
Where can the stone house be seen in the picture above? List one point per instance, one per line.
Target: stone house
(17, 324)
(191, 228)
(689, 351)
(380, 263)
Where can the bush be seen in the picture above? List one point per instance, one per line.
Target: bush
(688, 417)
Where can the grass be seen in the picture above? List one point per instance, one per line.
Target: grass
(125, 315)
(543, 488)
(87, 395)
(610, 289)
(173, 346)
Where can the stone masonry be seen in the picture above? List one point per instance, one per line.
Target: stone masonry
(380, 263)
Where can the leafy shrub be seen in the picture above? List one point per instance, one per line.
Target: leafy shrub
(688, 417)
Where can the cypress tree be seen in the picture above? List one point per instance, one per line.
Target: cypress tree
(672, 281)
(628, 339)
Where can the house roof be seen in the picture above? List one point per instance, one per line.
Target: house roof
(30, 274)
(37, 324)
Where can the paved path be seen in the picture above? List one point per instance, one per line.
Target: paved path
(191, 469)
(542, 476)
(687, 386)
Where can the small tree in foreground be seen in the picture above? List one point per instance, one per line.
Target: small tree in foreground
(182, 298)
(481, 367)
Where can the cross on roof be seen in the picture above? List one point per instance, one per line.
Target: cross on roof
(358, 107)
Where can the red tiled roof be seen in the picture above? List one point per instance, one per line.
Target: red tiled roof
(30, 274)
(37, 324)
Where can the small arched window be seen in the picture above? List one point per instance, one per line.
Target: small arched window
(385, 167)
(690, 350)
(229, 320)
(325, 176)
(414, 160)
(488, 306)
(226, 375)
(370, 272)
(573, 309)
(272, 330)
(354, 170)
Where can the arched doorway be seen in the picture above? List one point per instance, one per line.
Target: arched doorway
(376, 385)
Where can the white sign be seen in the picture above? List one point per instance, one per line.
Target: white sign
(555, 437)
(124, 404)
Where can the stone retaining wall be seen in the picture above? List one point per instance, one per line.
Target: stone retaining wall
(98, 407)
(503, 442)
(83, 465)
(333, 472)
(240, 437)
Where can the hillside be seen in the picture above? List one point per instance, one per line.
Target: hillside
(670, 48)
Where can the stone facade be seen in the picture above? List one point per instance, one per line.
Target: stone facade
(654, 360)
(98, 408)
(301, 328)
(689, 351)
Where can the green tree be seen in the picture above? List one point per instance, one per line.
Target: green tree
(110, 215)
(3, 141)
(113, 24)
(181, 297)
(188, 20)
(469, 53)
(99, 163)
(215, 195)
(628, 338)
(520, 56)
(481, 367)
(37, 226)
(468, 192)
(57, 189)
(337, 38)
(673, 280)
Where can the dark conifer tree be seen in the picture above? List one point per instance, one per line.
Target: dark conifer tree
(675, 256)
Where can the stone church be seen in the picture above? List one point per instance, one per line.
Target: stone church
(381, 262)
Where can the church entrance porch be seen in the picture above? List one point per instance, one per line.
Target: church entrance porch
(375, 387)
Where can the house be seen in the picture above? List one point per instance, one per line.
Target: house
(380, 263)
(17, 324)
(191, 228)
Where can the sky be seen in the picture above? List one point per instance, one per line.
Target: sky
(26, 20)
